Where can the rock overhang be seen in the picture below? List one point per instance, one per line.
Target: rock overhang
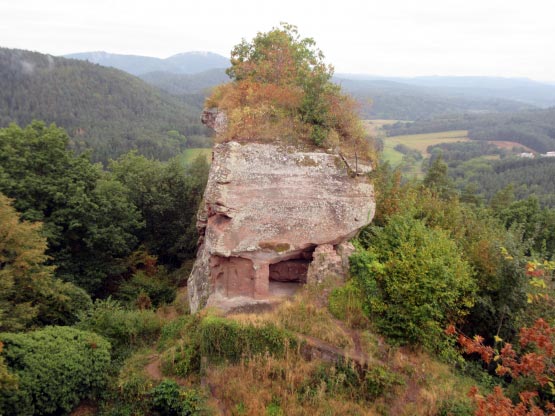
(266, 203)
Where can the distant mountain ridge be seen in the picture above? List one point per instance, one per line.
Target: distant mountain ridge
(191, 74)
(103, 109)
(182, 63)
(525, 90)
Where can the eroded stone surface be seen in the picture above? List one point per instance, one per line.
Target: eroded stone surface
(265, 204)
(326, 264)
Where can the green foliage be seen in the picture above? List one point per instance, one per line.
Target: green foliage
(481, 239)
(345, 303)
(56, 368)
(8, 381)
(533, 129)
(157, 287)
(380, 380)
(169, 399)
(281, 87)
(344, 378)
(456, 407)
(112, 113)
(89, 222)
(123, 327)
(132, 383)
(224, 339)
(29, 293)
(437, 179)
(180, 343)
(414, 281)
(62, 303)
(168, 196)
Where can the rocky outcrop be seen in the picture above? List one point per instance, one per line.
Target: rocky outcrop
(216, 120)
(267, 209)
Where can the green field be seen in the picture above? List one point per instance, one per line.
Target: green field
(189, 155)
(419, 142)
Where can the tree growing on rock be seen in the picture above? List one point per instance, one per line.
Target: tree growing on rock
(281, 87)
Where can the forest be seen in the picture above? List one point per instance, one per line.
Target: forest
(104, 110)
(450, 294)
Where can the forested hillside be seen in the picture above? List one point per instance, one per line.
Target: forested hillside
(183, 84)
(524, 90)
(182, 63)
(377, 99)
(535, 129)
(526, 177)
(103, 109)
(382, 99)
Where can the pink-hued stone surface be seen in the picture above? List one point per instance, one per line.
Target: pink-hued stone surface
(269, 203)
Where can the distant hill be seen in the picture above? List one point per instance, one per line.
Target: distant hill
(183, 84)
(517, 89)
(104, 109)
(183, 63)
(190, 75)
(401, 101)
(379, 99)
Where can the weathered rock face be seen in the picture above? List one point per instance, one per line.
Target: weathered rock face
(266, 209)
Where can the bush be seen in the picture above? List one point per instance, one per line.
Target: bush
(225, 339)
(56, 368)
(169, 399)
(345, 378)
(414, 282)
(64, 304)
(158, 289)
(345, 303)
(380, 380)
(124, 328)
(179, 342)
(455, 407)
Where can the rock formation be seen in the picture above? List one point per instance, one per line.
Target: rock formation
(267, 208)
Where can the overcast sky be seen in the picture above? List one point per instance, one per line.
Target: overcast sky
(384, 37)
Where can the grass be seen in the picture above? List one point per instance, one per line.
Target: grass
(398, 382)
(188, 155)
(294, 314)
(421, 142)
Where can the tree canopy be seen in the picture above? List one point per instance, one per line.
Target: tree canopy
(281, 87)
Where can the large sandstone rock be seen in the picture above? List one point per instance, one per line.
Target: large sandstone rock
(267, 207)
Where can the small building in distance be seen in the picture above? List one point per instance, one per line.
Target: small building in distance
(549, 154)
(527, 155)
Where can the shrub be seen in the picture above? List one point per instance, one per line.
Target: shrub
(158, 289)
(345, 303)
(169, 399)
(455, 407)
(64, 304)
(414, 282)
(133, 382)
(180, 341)
(225, 339)
(380, 380)
(124, 328)
(345, 378)
(56, 368)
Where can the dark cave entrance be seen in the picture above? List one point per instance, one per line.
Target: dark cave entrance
(287, 276)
